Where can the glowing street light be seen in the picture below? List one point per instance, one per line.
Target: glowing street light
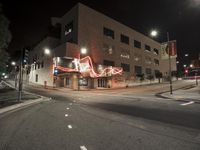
(83, 50)
(13, 63)
(177, 62)
(154, 33)
(186, 55)
(47, 51)
(3, 74)
(191, 65)
(184, 66)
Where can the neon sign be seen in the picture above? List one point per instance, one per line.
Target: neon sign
(85, 67)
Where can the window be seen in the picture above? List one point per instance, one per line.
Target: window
(148, 71)
(68, 28)
(125, 54)
(108, 49)
(147, 48)
(108, 63)
(138, 70)
(108, 32)
(155, 51)
(148, 60)
(35, 66)
(126, 67)
(124, 39)
(156, 61)
(36, 78)
(137, 44)
(83, 81)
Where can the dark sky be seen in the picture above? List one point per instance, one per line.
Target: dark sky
(181, 18)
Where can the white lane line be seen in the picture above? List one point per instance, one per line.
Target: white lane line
(83, 148)
(67, 108)
(66, 115)
(184, 104)
(69, 126)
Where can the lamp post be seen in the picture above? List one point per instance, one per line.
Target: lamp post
(13, 63)
(154, 33)
(83, 51)
(48, 52)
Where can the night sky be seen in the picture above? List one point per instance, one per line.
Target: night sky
(181, 18)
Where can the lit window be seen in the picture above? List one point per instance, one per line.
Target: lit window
(147, 48)
(68, 28)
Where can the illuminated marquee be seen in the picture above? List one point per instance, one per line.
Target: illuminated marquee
(86, 68)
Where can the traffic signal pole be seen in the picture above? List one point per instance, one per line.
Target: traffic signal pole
(170, 70)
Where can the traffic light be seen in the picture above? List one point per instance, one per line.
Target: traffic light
(186, 71)
(25, 56)
(55, 71)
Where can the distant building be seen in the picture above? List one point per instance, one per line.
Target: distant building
(113, 54)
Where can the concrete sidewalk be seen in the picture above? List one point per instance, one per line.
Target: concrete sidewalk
(186, 94)
(9, 98)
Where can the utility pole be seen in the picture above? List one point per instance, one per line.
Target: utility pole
(170, 72)
(20, 79)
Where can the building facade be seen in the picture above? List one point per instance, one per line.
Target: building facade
(114, 54)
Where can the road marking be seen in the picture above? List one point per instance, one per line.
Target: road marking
(69, 126)
(67, 108)
(184, 104)
(66, 115)
(70, 103)
(83, 148)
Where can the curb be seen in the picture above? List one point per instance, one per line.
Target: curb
(160, 94)
(22, 105)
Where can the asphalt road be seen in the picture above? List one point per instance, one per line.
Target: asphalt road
(101, 121)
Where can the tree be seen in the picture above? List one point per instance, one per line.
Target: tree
(5, 38)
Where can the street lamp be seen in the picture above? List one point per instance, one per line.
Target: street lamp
(83, 51)
(186, 55)
(191, 65)
(154, 33)
(13, 63)
(47, 51)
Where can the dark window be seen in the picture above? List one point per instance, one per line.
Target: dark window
(35, 66)
(147, 47)
(156, 51)
(137, 44)
(68, 28)
(67, 81)
(126, 67)
(148, 71)
(109, 33)
(124, 39)
(102, 82)
(138, 70)
(156, 61)
(36, 78)
(108, 63)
